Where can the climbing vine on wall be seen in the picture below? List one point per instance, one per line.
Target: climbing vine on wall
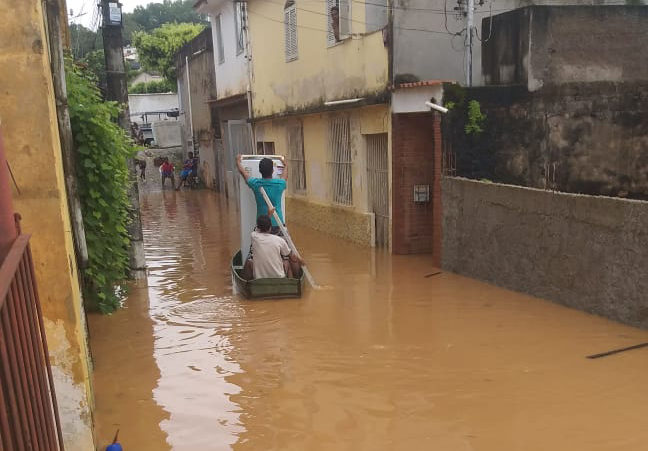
(102, 148)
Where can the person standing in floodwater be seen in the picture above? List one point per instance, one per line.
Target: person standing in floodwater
(274, 188)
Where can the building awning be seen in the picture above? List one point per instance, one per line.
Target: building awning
(225, 101)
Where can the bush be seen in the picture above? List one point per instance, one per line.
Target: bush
(102, 149)
(154, 86)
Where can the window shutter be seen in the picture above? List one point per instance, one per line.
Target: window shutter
(345, 18)
(330, 37)
(290, 32)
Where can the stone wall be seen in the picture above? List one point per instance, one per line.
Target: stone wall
(585, 252)
(589, 138)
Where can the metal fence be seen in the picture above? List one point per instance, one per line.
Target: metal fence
(28, 410)
(340, 160)
(378, 185)
(296, 160)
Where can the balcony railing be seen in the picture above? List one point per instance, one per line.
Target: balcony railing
(29, 417)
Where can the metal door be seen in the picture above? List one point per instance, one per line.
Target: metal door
(240, 142)
(378, 185)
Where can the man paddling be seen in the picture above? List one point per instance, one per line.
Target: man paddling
(270, 256)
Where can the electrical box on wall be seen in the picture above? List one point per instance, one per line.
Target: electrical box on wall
(421, 193)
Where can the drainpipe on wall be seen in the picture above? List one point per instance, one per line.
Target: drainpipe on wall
(56, 32)
(189, 99)
(248, 59)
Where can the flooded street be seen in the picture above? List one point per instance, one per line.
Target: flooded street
(385, 359)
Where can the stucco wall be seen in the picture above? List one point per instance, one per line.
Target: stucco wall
(585, 252)
(141, 103)
(541, 46)
(315, 205)
(29, 124)
(199, 53)
(231, 73)
(350, 69)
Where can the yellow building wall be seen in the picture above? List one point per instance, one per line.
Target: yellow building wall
(355, 67)
(315, 207)
(29, 126)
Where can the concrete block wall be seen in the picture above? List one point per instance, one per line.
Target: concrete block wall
(416, 160)
(586, 252)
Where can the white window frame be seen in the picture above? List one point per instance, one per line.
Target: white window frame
(290, 31)
(219, 39)
(344, 10)
(239, 36)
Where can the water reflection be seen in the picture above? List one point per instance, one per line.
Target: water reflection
(384, 360)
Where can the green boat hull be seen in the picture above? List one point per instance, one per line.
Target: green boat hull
(264, 288)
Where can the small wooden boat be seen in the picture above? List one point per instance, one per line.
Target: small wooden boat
(274, 288)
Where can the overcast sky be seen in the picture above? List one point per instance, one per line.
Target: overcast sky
(84, 9)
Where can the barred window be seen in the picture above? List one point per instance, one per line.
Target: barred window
(340, 160)
(290, 30)
(265, 148)
(296, 160)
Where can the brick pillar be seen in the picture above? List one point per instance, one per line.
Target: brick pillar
(416, 160)
(7, 221)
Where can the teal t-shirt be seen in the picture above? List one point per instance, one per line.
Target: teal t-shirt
(274, 188)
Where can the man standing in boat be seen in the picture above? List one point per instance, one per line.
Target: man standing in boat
(274, 188)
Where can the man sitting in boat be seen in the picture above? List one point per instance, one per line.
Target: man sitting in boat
(274, 188)
(270, 256)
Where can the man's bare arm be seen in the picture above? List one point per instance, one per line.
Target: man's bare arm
(284, 174)
(241, 169)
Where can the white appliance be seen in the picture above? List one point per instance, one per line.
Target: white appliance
(247, 201)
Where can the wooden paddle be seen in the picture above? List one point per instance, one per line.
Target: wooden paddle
(289, 240)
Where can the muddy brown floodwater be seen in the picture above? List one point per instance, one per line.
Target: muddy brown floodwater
(386, 359)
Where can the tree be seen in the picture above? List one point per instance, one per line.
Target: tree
(83, 40)
(95, 64)
(154, 15)
(157, 49)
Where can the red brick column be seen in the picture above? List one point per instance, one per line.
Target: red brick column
(416, 160)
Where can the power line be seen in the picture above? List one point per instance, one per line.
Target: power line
(351, 20)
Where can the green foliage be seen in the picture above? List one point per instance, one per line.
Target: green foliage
(83, 41)
(95, 63)
(157, 49)
(475, 118)
(154, 15)
(102, 149)
(153, 86)
(634, 2)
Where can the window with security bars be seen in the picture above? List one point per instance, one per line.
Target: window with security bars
(339, 20)
(296, 160)
(340, 160)
(290, 30)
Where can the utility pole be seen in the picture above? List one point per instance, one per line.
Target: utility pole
(469, 41)
(117, 89)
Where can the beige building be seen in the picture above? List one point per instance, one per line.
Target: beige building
(31, 137)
